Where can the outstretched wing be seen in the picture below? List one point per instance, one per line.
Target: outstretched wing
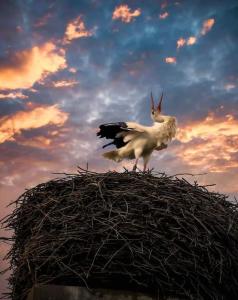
(119, 132)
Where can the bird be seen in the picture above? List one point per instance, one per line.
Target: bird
(134, 140)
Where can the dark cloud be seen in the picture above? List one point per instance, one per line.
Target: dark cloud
(10, 18)
(10, 107)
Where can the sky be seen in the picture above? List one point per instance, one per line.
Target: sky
(68, 66)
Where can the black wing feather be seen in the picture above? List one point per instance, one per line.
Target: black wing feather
(110, 130)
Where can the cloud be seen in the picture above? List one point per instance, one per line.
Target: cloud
(13, 95)
(64, 83)
(124, 13)
(207, 25)
(72, 70)
(208, 127)
(181, 42)
(26, 67)
(43, 20)
(76, 29)
(191, 40)
(210, 144)
(51, 138)
(229, 86)
(170, 60)
(10, 126)
(38, 142)
(164, 15)
(164, 4)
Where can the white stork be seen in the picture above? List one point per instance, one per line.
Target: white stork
(134, 140)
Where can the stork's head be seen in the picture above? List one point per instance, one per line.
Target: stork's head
(156, 111)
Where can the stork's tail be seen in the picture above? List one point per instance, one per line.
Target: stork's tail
(113, 155)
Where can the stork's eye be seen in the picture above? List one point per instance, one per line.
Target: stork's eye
(153, 112)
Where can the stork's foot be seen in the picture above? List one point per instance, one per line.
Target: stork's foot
(134, 168)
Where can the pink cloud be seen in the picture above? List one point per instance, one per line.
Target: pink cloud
(170, 60)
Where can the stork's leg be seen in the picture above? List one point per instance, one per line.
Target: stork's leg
(135, 165)
(137, 153)
(146, 159)
(145, 165)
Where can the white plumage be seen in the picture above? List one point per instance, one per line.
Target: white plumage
(134, 140)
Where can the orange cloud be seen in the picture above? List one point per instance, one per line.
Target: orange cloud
(76, 29)
(209, 127)
(164, 15)
(30, 105)
(207, 25)
(13, 95)
(10, 126)
(181, 42)
(170, 60)
(64, 83)
(124, 13)
(31, 65)
(191, 40)
(210, 144)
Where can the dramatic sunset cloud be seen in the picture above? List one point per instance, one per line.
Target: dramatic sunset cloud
(29, 66)
(181, 42)
(76, 29)
(13, 95)
(124, 13)
(164, 15)
(209, 127)
(211, 143)
(26, 120)
(170, 60)
(207, 26)
(64, 83)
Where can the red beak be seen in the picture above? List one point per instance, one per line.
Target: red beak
(160, 101)
(152, 102)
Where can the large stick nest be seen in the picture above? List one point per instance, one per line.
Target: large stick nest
(133, 231)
